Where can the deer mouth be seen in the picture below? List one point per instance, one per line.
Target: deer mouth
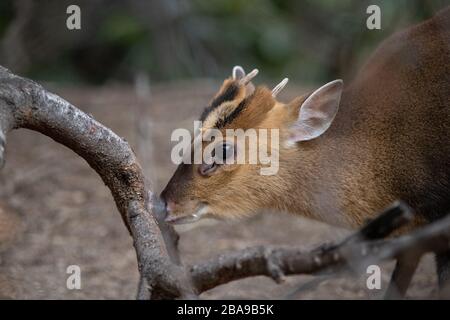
(182, 219)
(188, 218)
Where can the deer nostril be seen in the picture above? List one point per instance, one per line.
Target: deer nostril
(207, 169)
(170, 206)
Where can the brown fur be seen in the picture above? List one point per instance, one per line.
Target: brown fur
(390, 140)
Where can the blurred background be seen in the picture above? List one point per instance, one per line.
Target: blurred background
(144, 68)
(308, 41)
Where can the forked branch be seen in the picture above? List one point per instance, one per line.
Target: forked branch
(354, 253)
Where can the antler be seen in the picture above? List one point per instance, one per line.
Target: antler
(246, 79)
(279, 87)
(238, 73)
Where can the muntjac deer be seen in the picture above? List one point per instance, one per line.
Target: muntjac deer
(345, 152)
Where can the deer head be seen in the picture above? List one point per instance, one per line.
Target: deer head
(222, 188)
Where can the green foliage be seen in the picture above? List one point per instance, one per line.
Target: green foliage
(308, 41)
(122, 29)
(6, 15)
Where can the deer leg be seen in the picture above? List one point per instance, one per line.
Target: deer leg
(443, 273)
(401, 277)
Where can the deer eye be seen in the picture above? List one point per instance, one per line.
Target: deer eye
(219, 154)
(225, 152)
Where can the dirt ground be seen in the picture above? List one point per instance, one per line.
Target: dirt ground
(56, 212)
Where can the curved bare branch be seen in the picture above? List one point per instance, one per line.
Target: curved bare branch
(26, 104)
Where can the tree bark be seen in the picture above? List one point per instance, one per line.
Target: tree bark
(26, 104)
(353, 255)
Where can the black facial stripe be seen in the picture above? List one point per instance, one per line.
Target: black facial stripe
(228, 119)
(228, 95)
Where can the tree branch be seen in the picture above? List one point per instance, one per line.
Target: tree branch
(25, 104)
(350, 254)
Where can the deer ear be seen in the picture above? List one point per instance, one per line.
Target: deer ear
(317, 112)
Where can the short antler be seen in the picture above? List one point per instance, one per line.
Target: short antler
(246, 79)
(238, 73)
(279, 87)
